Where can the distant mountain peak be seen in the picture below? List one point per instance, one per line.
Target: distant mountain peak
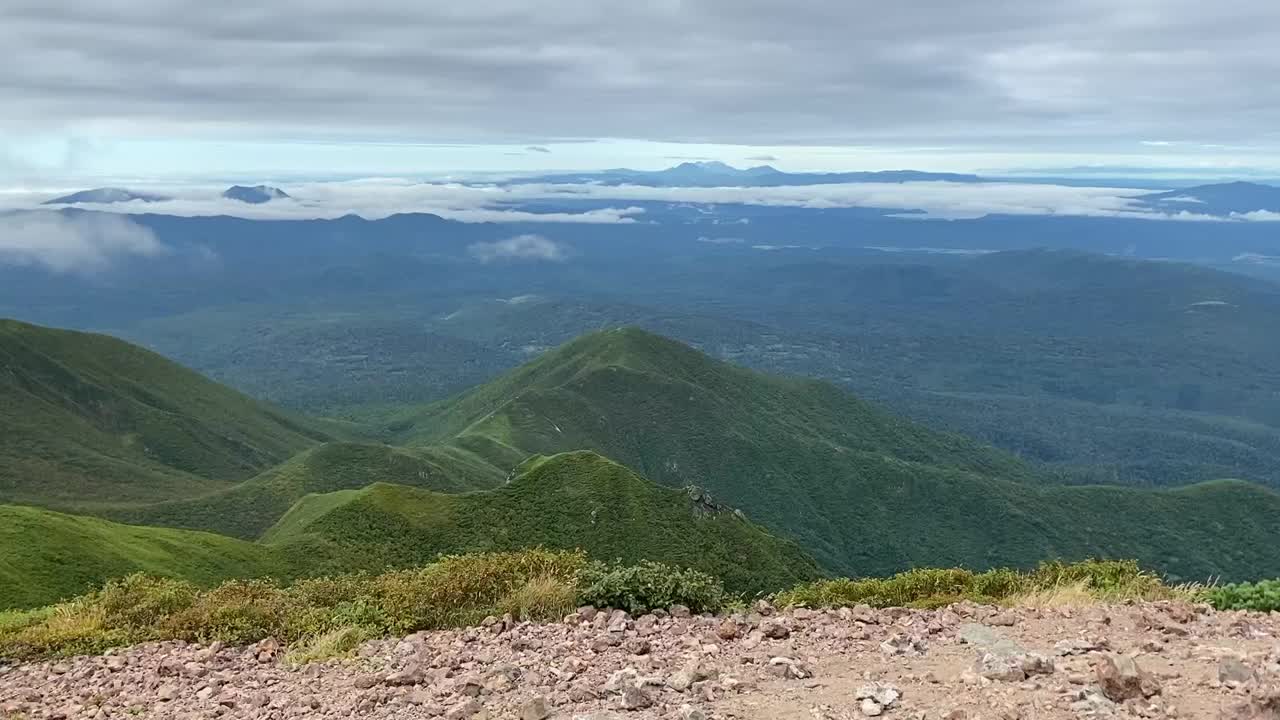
(704, 166)
(255, 195)
(1226, 198)
(106, 195)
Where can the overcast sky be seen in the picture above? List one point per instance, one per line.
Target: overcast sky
(138, 88)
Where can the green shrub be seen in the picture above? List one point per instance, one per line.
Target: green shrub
(1262, 596)
(239, 612)
(649, 586)
(138, 602)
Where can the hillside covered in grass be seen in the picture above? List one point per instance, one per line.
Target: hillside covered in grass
(47, 556)
(576, 501)
(569, 501)
(866, 493)
(88, 421)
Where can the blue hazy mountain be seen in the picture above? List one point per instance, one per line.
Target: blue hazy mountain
(255, 195)
(718, 174)
(1220, 199)
(106, 195)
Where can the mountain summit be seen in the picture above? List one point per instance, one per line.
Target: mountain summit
(105, 196)
(255, 195)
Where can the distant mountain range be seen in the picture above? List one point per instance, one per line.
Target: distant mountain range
(255, 195)
(1222, 199)
(106, 195)
(718, 174)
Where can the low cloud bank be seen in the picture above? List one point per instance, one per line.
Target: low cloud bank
(85, 244)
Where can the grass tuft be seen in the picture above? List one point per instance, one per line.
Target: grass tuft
(337, 643)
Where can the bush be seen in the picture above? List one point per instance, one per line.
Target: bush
(649, 586)
(1262, 596)
(138, 602)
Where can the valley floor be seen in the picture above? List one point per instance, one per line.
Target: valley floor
(960, 663)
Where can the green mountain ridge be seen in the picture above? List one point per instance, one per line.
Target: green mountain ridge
(865, 492)
(567, 501)
(90, 421)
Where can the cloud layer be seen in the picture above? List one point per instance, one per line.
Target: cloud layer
(83, 245)
(836, 72)
(375, 199)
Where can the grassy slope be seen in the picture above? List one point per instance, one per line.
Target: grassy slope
(250, 508)
(866, 493)
(47, 556)
(90, 421)
(573, 500)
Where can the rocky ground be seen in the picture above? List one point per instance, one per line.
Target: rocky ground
(965, 662)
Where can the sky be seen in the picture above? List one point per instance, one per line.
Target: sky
(162, 90)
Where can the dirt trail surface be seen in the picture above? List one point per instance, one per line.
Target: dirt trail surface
(965, 662)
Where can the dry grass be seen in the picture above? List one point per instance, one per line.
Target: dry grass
(1068, 595)
(542, 598)
(338, 643)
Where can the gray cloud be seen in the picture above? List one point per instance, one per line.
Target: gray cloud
(763, 158)
(520, 247)
(84, 244)
(538, 149)
(986, 73)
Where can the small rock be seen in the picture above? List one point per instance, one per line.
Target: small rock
(689, 712)
(775, 630)
(364, 682)
(618, 622)
(789, 668)
(633, 698)
(871, 708)
(646, 625)
(637, 646)
(167, 693)
(535, 709)
(412, 675)
(1233, 673)
(728, 629)
(882, 694)
(1003, 619)
(1121, 678)
(464, 710)
(903, 644)
(679, 611)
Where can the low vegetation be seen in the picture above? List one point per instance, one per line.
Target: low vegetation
(1262, 596)
(328, 617)
(1099, 579)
